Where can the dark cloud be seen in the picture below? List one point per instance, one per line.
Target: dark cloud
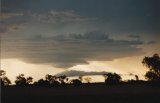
(135, 36)
(55, 17)
(51, 16)
(69, 50)
(11, 22)
(10, 15)
(127, 16)
(72, 73)
(151, 42)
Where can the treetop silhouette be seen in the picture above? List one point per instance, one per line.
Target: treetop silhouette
(153, 64)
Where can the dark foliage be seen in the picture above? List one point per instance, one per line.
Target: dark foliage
(112, 79)
(22, 81)
(42, 82)
(76, 82)
(52, 81)
(4, 80)
(153, 63)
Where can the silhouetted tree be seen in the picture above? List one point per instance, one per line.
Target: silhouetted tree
(4, 80)
(42, 82)
(151, 76)
(63, 80)
(22, 81)
(112, 78)
(153, 63)
(50, 78)
(53, 80)
(137, 78)
(29, 80)
(76, 82)
(2, 73)
(80, 78)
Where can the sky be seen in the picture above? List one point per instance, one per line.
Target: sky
(72, 37)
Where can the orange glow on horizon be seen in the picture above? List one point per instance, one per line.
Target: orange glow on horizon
(14, 67)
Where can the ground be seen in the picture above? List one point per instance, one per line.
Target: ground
(88, 93)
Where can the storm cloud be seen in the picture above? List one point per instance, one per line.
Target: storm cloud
(69, 50)
(127, 16)
(67, 33)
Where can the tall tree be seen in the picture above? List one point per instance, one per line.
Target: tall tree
(4, 80)
(153, 64)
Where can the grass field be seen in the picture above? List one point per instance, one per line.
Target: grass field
(89, 93)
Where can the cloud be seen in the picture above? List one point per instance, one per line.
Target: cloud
(11, 22)
(113, 16)
(59, 17)
(135, 36)
(72, 73)
(5, 16)
(65, 51)
(151, 42)
(10, 28)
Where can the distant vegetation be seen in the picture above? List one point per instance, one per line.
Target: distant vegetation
(152, 76)
(112, 78)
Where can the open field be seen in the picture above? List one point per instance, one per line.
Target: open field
(94, 93)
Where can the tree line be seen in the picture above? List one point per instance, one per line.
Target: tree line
(152, 75)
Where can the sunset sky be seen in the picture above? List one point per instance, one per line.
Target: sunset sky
(41, 37)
